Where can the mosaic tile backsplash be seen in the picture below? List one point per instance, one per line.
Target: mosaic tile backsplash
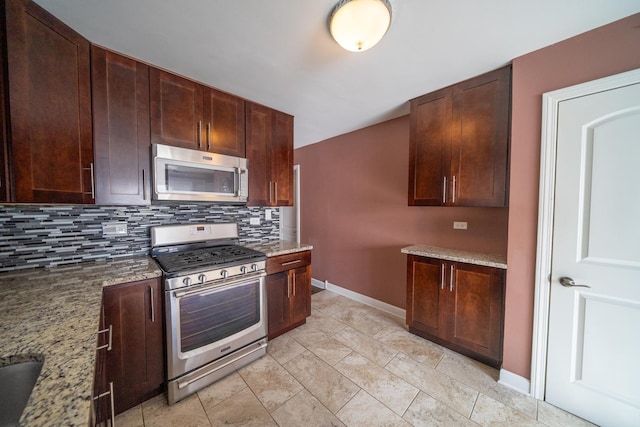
(47, 235)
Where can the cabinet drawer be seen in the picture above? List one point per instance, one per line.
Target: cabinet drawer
(287, 262)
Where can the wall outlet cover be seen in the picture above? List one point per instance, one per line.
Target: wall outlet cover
(267, 214)
(254, 221)
(459, 225)
(114, 228)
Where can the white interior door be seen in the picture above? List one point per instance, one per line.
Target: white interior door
(290, 216)
(593, 359)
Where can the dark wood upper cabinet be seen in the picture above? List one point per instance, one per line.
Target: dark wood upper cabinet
(5, 190)
(187, 114)
(269, 142)
(120, 129)
(224, 123)
(459, 141)
(457, 305)
(49, 103)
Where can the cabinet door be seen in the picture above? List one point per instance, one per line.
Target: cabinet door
(224, 123)
(476, 309)
(480, 140)
(176, 110)
(258, 144)
(300, 283)
(50, 107)
(5, 191)
(426, 295)
(136, 363)
(277, 303)
(282, 159)
(121, 129)
(430, 136)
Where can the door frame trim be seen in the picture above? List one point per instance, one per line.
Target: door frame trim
(546, 206)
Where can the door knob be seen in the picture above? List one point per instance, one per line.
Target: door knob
(568, 282)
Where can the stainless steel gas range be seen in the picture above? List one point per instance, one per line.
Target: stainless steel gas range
(215, 303)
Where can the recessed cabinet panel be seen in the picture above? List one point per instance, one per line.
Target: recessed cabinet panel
(423, 295)
(224, 118)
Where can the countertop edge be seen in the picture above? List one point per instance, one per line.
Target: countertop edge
(457, 255)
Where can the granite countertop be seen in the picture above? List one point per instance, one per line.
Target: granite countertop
(279, 247)
(54, 313)
(477, 258)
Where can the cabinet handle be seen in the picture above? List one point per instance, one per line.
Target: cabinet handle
(107, 346)
(270, 192)
(444, 190)
(291, 262)
(294, 283)
(199, 136)
(93, 184)
(289, 285)
(153, 312)
(208, 136)
(453, 190)
(144, 188)
(442, 276)
(275, 185)
(451, 279)
(113, 411)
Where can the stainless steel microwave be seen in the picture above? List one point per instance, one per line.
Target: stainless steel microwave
(182, 174)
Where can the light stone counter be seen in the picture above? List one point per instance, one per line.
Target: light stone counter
(279, 247)
(54, 312)
(477, 258)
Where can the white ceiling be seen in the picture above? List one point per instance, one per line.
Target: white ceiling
(280, 53)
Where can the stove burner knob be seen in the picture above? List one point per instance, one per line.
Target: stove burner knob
(202, 278)
(186, 281)
(244, 269)
(254, 267)
(224, 274)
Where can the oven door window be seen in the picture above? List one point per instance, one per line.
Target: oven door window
(214, 315)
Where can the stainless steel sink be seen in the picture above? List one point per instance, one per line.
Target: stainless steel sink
(16, 383)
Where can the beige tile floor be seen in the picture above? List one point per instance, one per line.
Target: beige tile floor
(353, 365)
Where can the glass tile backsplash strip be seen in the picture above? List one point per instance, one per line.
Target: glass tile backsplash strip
(48, 235)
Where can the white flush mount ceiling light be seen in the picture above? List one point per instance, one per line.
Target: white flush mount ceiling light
(358, 25)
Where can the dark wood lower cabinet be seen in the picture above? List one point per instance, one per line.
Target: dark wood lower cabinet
(288, 292)
(457, 305)
(135, 363)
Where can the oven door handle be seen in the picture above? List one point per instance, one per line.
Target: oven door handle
(217, 286)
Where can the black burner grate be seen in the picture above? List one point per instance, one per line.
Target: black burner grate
(205, 257)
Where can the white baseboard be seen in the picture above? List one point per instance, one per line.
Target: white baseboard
(515, 381)
(371, 302)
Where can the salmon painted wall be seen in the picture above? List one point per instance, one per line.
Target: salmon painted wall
(354, 212)
(607, 50)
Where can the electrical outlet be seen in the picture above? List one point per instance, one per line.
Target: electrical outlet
(254, 221)
(114, 228)
(459, 225)
(267, 214)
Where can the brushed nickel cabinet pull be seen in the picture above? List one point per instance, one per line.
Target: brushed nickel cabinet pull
(153, 312)
(291, 262)
(144, 188)
(451, 279)
(93, 185)
(113, 410)
(110, 331)
(442, 276)
(453, 190)
(208, 136)
(289, 285)
(199, 135)
(444, 189)
(275, 184)
(294, 283)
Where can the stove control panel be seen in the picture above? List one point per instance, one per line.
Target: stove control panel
(215, 275)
